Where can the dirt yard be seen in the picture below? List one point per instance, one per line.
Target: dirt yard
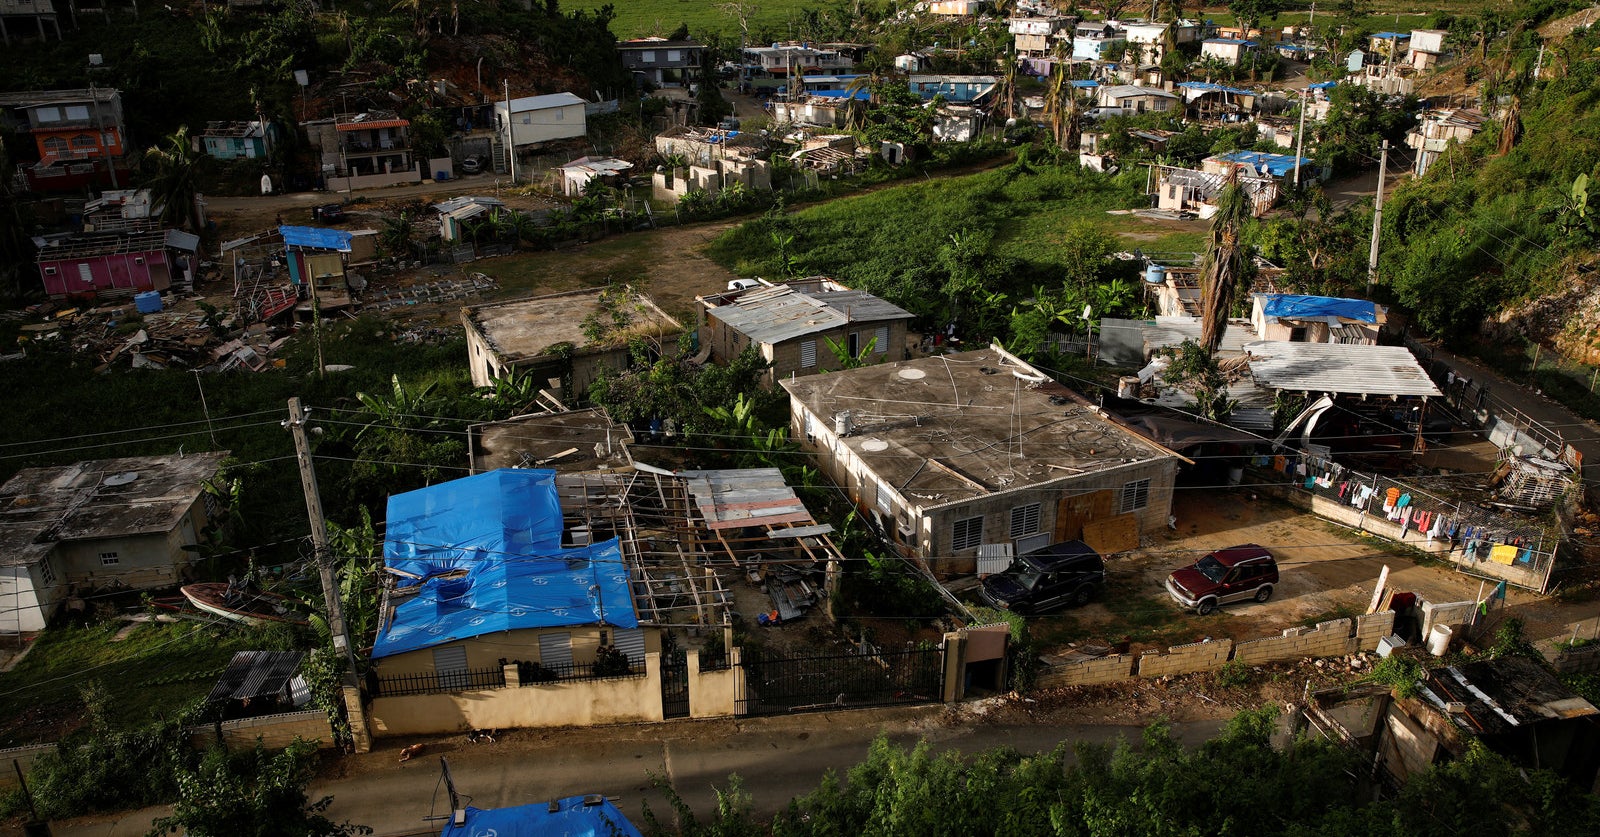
(1327, 572)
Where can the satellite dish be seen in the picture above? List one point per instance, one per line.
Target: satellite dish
(120, 479)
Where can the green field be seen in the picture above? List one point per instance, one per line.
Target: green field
(639, 18)
(1029, 218)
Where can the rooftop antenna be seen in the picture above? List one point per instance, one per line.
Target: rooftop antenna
(458, 811)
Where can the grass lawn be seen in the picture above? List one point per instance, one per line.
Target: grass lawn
(889, 242)
(638, 18)
(157, 668)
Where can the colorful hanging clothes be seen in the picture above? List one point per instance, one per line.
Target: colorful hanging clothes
(1503, 553)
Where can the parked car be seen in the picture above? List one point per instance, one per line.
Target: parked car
(1067, 573)
(1098, 113)
(1246, 571)
(328, 213)
(473, 164)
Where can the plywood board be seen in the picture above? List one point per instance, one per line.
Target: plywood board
(1113, 534)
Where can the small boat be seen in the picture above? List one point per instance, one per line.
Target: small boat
(252, 607)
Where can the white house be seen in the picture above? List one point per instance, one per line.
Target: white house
(1229, 50)
(1149, 38)
(536, 119)
(107, 524)
(1135, 99)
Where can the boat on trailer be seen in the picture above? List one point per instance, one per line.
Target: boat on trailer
(251, 607)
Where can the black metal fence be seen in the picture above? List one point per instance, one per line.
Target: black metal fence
(538, 674)
(440, 683)
(775, 685)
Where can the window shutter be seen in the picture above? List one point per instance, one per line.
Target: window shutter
(808, 354)
(555, 649)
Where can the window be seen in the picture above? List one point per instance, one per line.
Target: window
(85, 275)
(1024, 520)
(47, 573)
(49, 271)
(77, 111)
(110, 559)
(967, 533)
(854, 343)
(648, 56)
(84, 141)
(674, 55)
(1135, 496)
(47, 114)
(808, 354)
(55, 145)
(885, 503)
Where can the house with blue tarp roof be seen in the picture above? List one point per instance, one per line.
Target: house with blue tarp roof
(1299, 318)
(574, 816)
(1260, 163)
(316, 257)
(487, 571)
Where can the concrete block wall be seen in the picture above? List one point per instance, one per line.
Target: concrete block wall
(1186, 659)
(1330, 639)
(274, 731)
(1454, 614)
(24, 757)
(1372, 627)
(1088, 672)
(1273, 649)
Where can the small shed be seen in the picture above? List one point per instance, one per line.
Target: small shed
(260, 683)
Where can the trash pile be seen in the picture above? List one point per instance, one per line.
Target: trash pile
(187, 337)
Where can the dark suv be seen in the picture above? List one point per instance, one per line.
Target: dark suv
(1247, 571)
(1040, 581)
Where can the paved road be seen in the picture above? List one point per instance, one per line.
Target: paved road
(777, 759)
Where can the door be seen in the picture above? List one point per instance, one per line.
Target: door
(1074, 511)
(674, 684)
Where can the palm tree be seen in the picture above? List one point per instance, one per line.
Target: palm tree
(170, 176)
(1224, 262)
(1061, 109)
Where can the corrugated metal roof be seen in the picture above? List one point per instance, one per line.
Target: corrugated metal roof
(252, 674)
(552, 100)
(1172, 331)
(773, 315)
(860, 306)
(733, 499)
(1338, 368)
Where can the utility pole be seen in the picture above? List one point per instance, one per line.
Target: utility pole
(319, 534)
(205, 409)
(1300, 137)
(1538, 65)
(511, 151)
(1377, 217)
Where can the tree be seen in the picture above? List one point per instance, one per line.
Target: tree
(1113, 9)
(1224, 262)
(1250, 13)
(251, 794)
(709, 91)
(170, 173)
(899, 116)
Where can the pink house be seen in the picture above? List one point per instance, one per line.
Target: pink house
(117, 264)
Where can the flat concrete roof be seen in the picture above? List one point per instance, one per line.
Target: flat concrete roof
(103, 498)
(538, 440)
(955, 427)
(526, 328)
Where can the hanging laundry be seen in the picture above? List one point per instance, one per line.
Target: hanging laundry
(1503, 553)
(1405, 500)
(1279, 463)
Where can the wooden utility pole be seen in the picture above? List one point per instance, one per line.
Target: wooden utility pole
(319, 534)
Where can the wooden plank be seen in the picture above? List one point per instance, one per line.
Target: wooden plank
(801, 531)
(798, 517)
(1112, 534)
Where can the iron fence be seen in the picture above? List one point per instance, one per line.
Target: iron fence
(775, 685)
(444, 682)
(540, 674)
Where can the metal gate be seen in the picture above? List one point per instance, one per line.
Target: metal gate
(776, 685)
(675, 684)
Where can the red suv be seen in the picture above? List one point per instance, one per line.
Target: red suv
(1247, 571)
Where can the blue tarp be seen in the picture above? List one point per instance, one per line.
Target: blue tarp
(1392, 36)
(1322, 85)
(1276, 165)
(1299, 307)
(320, 237)
(1084, 83)
(858, 95)
(574, 819)
(504, 529)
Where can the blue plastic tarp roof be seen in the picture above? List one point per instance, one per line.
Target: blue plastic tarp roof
(1084, 83)
(573, 819)
(1277, 165)
(1392, 36)
(1298, 306)
(504, 529)
(858, 95)
(1322, 85)
(320, 237)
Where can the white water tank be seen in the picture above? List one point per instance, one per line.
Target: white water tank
(843, 423)
(1439, 640)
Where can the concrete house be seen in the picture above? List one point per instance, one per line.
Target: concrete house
(957, 452)
(80, 136)
(576, 174)
(1297, 318)
(795, 325)
(781, 60)
(659, 62)
(120, 263)
(364, 150)
(1426, 47)
(547, 336)
(106, 524)
(1150, 38)
(19, 16)
(1034, 37)
(1135, 99)
(1092, 40)
(1230, 51)
(532, 120)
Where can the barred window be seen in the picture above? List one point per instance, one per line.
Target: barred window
(1135, 496)
(1024, 520)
